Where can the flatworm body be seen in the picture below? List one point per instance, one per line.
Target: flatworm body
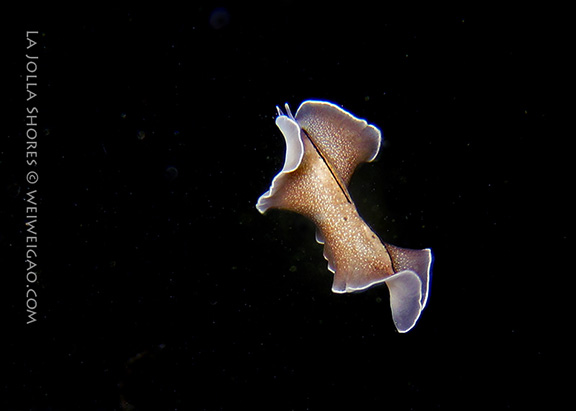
(324, 145)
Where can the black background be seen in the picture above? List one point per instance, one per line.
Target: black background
(161, 287)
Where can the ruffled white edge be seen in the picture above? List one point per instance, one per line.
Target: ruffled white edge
(408, 294)
(294, 153)
(359, 120)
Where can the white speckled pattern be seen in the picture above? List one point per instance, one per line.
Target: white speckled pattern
(324, 144)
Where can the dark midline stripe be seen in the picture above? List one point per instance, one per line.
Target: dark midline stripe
(329, 168)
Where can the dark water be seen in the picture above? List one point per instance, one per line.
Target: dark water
(161, 287)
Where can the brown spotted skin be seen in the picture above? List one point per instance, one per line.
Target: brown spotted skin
(324, 145)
